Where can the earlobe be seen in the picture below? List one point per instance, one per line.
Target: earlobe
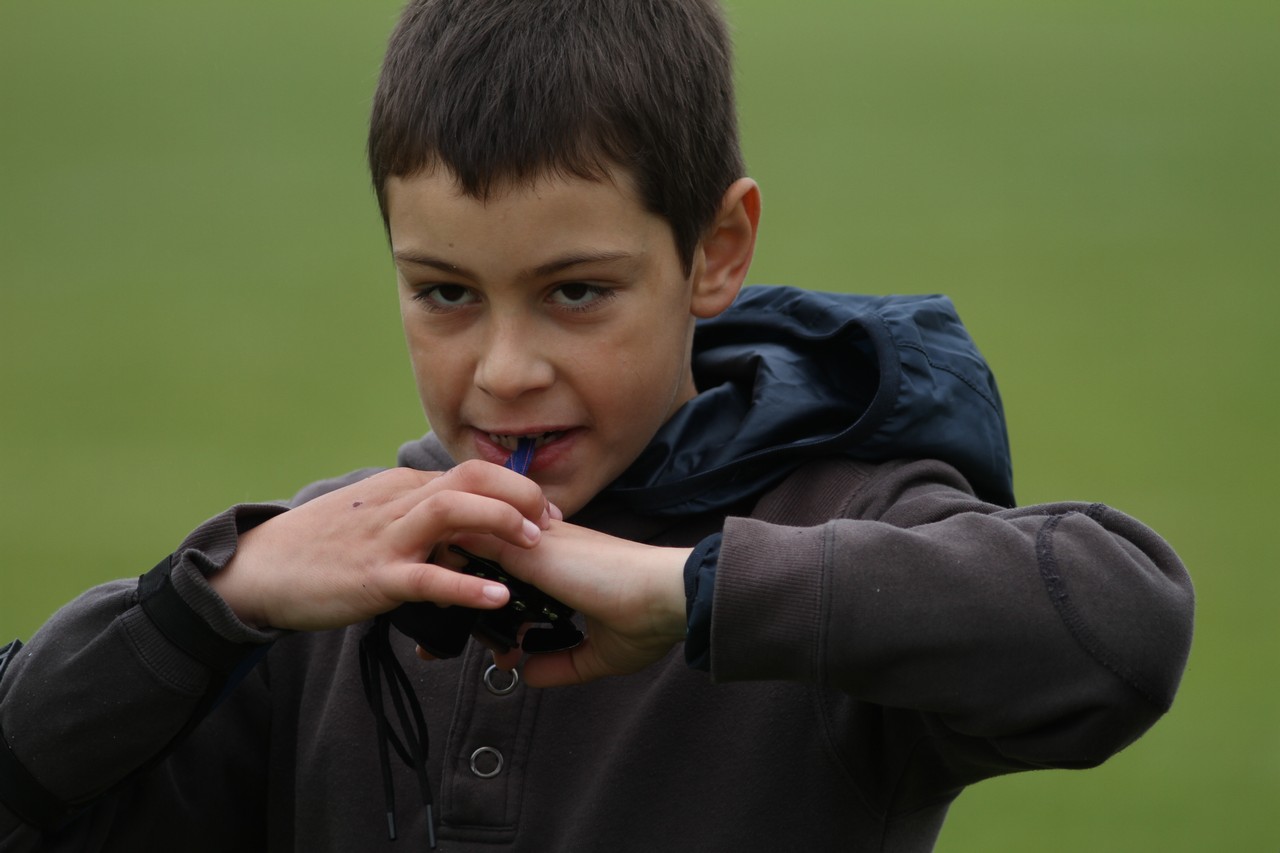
(726, 250)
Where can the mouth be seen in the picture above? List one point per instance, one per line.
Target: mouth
(511, 441)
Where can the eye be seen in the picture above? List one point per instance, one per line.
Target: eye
(445, 297)
(579, 295)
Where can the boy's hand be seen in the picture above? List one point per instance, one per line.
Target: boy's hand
(631, 594)
(364, 549)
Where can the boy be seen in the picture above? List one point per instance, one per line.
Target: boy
(794, 546)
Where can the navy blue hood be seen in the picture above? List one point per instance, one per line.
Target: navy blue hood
(786, 376)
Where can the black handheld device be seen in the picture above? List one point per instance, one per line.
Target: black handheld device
(443, 631)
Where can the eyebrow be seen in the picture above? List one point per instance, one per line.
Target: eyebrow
(553, 266)
(577, 258)
(419, 259)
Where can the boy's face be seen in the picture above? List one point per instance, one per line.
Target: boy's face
(558, 310)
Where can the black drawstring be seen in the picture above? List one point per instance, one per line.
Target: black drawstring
(376, 659)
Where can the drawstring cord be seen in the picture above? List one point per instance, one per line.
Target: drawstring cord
(376, 660)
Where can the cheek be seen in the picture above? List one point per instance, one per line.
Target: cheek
(436, 370)
(648, 376)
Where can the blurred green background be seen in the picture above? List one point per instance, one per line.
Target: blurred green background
(196, 307)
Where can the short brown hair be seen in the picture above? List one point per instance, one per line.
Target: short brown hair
(503, 91)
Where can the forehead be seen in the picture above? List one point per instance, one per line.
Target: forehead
(428, 213)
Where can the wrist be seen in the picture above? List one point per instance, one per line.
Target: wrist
(670, 612)
(222, 541)
(231, 584)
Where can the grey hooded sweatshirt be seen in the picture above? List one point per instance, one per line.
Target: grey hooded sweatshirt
(879, 637)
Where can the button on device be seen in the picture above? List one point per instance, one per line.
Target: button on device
(494, 677)
(486, 762)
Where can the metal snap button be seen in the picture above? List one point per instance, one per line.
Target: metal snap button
(500, 689)
(486, 762)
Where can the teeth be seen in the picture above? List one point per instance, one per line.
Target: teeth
(510, 442)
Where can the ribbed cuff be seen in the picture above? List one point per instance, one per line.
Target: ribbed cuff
(699, 590)
(206, 551)
(769, 602)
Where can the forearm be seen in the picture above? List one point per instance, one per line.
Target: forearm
(101, 689)
(1002, 625)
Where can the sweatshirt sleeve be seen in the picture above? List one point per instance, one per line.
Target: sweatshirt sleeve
(1042, 636)
(104, 689)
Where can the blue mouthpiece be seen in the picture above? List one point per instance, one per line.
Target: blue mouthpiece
(520, 460)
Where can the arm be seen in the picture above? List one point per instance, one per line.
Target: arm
(1051, 635)
(108, 686)
(1040, 636)
(100, 691)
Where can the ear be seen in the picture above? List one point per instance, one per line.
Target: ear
(725, 252)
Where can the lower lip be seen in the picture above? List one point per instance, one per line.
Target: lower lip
(546, 456)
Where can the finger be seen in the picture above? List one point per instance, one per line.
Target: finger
(441, 585)
(507, 660)
(518, 559)
(494, 481)
(441, 515)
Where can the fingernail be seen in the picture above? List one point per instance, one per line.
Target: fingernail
(544, 520)
(494, 592)
(555, 512)
(531, 531)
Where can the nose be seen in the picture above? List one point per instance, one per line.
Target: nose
(512, 362)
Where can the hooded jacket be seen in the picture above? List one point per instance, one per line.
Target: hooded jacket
(879, 637)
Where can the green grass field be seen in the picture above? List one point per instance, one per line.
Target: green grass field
(196, 306)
